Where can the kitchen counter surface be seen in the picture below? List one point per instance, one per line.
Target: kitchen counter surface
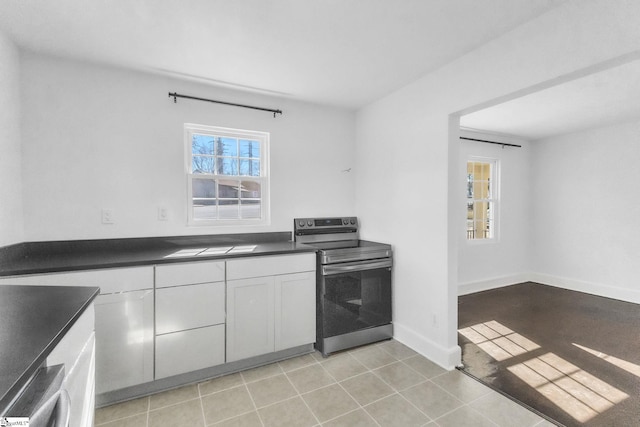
(34, 320)
(48, 257)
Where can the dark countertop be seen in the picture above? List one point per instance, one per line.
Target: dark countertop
(48, 257)
(34, 320)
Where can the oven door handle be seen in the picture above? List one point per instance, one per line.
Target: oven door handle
(355, 266)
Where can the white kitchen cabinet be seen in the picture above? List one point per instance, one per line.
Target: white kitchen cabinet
(190, 317)
(190, 350)
(187, 307)
(250, 317)
(123, 321)
(270, 304)
(295, 310)
(124, 340)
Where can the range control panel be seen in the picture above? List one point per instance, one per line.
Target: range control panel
(320, 223)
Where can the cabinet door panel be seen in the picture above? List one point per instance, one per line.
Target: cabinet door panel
(124, 340)
(250, 310)
(295, 312)
(188, 307)
(187, 351)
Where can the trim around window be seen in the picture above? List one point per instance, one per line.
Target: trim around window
(227, 176)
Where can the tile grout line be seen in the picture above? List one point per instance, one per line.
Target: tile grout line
(398, 391)
(149, 411)
(368, 370)
(253, 402)
(302, 398)
(204, 417)
(355, 400)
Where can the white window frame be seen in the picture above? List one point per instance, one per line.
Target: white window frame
(494, 199)
(263, 138)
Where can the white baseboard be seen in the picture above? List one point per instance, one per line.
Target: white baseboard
(448, 358)
(622, 294)
(496, 282)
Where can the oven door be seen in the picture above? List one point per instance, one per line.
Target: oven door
(355, 296)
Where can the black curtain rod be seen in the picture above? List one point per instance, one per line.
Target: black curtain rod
(504, 144)
(177, 95)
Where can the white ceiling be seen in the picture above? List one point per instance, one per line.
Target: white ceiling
(600, 99)
(338, 52)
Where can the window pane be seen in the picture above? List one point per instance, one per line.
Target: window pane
(204, 188)
(204, 209)
(480, 190)
(228, 209)
(250, 209)
(228, 189)
(250, 190)
(249, 167)
(477, 171)
(226, 146)
(249, 148)
(203, 196)
(202, 144)
(202, 164)
(227, 166)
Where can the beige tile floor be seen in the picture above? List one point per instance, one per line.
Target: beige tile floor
(383, 384)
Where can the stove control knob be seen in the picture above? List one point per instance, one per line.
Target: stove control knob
(309, 223)
(300, 223)
(345, 222)
(353, 221)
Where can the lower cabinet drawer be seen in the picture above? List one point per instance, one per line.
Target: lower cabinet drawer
(186, 351)
(188, 307)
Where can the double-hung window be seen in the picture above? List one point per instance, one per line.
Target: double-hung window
(228, 180)
(482, 198)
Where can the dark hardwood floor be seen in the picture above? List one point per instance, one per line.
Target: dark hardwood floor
(571, 356)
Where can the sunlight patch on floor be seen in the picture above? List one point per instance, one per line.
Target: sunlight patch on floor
(498, 341)
(632, 368)
(575, 391)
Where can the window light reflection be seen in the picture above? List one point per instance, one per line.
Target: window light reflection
(575, 391)
(498, 341)
(632, 368)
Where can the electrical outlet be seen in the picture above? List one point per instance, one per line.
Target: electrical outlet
(163, 214)
(107, 216)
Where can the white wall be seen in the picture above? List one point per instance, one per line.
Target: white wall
(586, 211)
(11, 228)
(485, 264)
(98, 137)
(409, 196)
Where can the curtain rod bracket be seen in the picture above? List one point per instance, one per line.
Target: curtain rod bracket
(176, 95)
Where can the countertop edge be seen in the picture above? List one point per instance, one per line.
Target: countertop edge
(46, 351)
(151, 260)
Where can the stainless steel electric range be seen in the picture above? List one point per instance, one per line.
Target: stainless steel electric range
(353, 287)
